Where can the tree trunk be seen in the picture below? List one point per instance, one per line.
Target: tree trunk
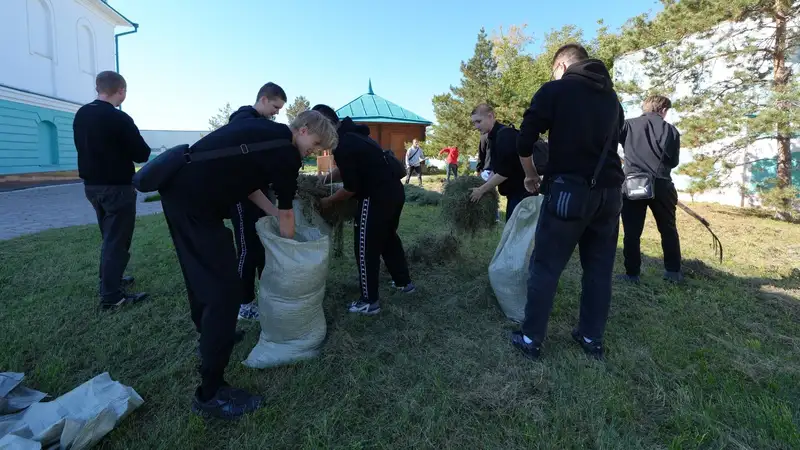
(781, 75)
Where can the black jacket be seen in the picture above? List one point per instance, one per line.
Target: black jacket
(360, 160)
(245, 112)
(502, 148)
(213, 187)
(484, 157)
(652, 145)
(108, 143)
(578, 110)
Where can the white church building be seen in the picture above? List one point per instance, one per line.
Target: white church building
(50, 53)
(758, 162)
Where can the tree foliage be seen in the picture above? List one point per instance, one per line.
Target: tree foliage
(725, 62)
(299, 105)
(220, 118)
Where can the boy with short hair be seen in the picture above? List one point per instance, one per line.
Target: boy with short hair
(196, 202)
(108, 145)
(244, 215)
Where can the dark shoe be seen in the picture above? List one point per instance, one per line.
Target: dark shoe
(674, 277)
(126, 282)
(237, 338)
(127, 299)
(593, 349)
(407, 289)
(229, 403)
(532, 350)
(625, 278)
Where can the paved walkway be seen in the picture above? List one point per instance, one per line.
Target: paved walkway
(33, 210)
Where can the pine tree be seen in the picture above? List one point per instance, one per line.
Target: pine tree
(299, 105)
(478, 81)
(756, 100)
(220, 118)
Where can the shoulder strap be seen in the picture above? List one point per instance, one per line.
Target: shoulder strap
(606, 146)
(233, 151)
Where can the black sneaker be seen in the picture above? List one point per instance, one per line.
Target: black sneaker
(593, 349)
(532, 350)
(674, 277)
(127, 299)
(126, 282)
(625, 278)
(237, 337)
(229, 403)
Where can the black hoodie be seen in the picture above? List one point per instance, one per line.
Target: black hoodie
(579, 111)
(245, 112)
(360, 161)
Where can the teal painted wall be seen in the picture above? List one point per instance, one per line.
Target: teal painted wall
(34, 139)
(767, 169)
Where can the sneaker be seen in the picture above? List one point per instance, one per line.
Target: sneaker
(625, 278)
(127, 299)
(367, 309)
(593, 348)
(126, 282)
(229, 403)
(674, 277)
(531, 351)
(407, 289)
(248, 311)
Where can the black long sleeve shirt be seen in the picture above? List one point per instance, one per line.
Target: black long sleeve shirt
(215, 186)
(579, 111)
(502, 147)
(651, 144)
(108, 143)
(361, 162)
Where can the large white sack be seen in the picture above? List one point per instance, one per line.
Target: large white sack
(77, 420)
(508, 271)
(290, 295)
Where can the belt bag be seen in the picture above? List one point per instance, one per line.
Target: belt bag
(157, 173)
(568, 194)
(639, 186)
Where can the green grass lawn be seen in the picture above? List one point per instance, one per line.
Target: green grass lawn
(713, 364)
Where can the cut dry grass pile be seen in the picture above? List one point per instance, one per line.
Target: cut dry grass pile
(421, 196)
(461, 213)
(311, 192)
(434, 248)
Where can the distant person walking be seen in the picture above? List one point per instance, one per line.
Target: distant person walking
(652, 150)
(451, 160)
(108, 145)
(414, 159)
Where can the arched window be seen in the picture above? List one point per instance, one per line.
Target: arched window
(40, 29)
(86, 57)
(48, 144)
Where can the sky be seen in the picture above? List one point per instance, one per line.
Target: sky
(190, 57)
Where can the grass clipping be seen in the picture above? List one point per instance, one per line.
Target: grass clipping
(461, 213)
(420, 196)
(311, 192)
(434, 249)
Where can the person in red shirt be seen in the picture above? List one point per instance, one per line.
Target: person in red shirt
(452, 161)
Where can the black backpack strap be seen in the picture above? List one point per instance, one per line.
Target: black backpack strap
(606, 147)
(234, 151)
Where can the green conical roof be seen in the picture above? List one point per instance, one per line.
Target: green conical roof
(374, 108)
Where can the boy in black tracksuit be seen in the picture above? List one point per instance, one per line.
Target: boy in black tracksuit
(197, 200)
(367, 175)
(245, 214)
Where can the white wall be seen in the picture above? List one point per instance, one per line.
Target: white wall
(630, 68)
(55, 47)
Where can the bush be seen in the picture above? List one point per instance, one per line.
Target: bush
(420, 196)
(434, 248)
(461, 213)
